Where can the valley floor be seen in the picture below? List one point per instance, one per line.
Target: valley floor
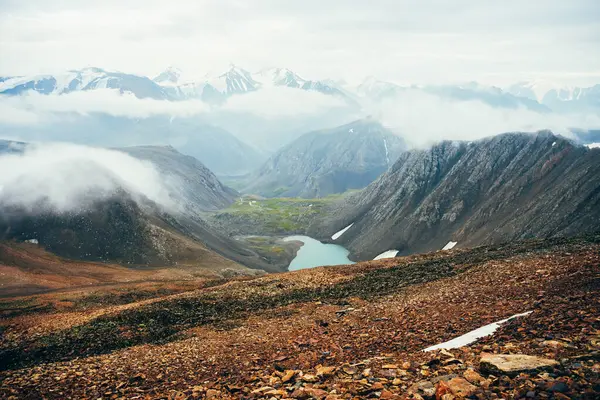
(354, 331)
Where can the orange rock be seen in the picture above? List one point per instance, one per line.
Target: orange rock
(473, 377)
(317, 393)
(289, 374)
(275, 392)
(460, 387)
(309, 378)
(212, 394)
(325, 371)
(442, 389)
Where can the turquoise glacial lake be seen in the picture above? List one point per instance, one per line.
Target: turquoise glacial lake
(315, 254)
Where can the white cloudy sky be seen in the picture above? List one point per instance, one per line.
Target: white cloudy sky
(426, 41)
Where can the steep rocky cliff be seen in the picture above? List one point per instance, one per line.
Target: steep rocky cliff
(508, 187)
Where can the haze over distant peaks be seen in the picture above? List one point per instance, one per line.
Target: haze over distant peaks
(215, 88)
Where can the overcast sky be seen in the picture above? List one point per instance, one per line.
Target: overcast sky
(426, 41)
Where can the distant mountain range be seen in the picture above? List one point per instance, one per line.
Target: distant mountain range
(562, 99)
(493, 96)
(328, 161)
(508, 187)
(168, 85)
(216, 88)
(83, 80)
(218, 149)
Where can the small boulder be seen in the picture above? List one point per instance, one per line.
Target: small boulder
(558, 386)
(212, 394)
(459, 387)
(473, 377)
(386, 395)
(289, 374)
(514, 364)
(325, 371)
(424, 389)
(316, 393)
(309, 378)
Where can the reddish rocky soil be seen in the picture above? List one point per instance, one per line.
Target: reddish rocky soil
(27, 269)
(346, 332)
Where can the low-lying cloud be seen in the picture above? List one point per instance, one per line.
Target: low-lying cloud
(281, 101)
(67, 177)
(423, 119)
(33, 108)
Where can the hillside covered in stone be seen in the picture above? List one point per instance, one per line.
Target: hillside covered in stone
(346, 332)
(508, 187)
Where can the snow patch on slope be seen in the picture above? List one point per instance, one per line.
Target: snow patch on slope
(593, 145)
(450, 245)
(387, 254)
(474, 335)
(340, 233)
(387, 153)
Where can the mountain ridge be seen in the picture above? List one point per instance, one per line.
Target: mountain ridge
(329, 161)
(507, 187)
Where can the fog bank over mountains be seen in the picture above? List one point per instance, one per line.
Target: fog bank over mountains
(233, 120)
(65, 177)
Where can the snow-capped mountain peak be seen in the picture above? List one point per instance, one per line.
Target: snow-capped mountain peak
(234, 81)
(280, 77)
(375, 88)
(90, 78)
(535, 90)
(170, 76)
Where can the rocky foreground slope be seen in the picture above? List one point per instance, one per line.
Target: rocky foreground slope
(343, 332)
(508, 187)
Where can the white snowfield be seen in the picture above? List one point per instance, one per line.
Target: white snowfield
(340, 233)
(475, 335)
(387, 254)
(387, 153)
(593, 145)
(450, 245)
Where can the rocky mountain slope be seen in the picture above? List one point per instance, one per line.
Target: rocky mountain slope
(198, 187)
(328, 161)
(354, 331)
(132, 230)
(123, 231)
(503, 188)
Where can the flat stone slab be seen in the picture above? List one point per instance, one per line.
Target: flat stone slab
(514, 364)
